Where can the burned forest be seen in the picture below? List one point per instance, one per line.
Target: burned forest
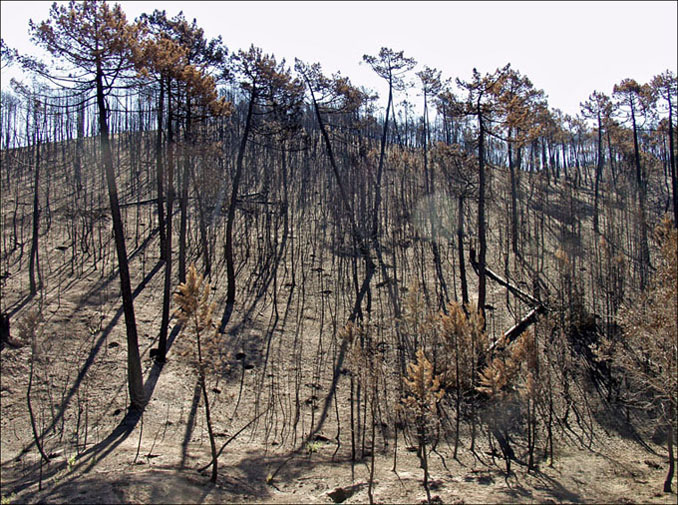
(227, 277)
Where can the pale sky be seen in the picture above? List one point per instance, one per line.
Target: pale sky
(568, 49)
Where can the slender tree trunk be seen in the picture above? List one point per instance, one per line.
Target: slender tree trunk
(672, 158)
(424, 458)
(208, 418)
(644, 247)
(672, 460)
(202, 224)
(372, 446)
(36, 216)
(599, 172)
(613, 172)
(377, 204)
(636, 150)
(183, 202)
(460, 249)
(36, 437)
(160, 173)
(167, 287)
(482, 239)
(457, 397)
(228, 247)
(342, 188)
(380, 168)
(134, 378)
(428, 183)
(77, 166)
(514, 198)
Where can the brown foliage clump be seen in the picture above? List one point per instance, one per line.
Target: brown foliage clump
(423, 386)
(196, 310)
(425, 392)
(193, 301)
(465, 341)
(504, 373)
(647, 352)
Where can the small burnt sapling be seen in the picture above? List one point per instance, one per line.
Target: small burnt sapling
(195, 312)
(424, 392)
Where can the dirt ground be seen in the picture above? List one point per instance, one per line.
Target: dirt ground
(100, 453)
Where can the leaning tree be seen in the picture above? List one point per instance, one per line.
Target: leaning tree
(270, 91)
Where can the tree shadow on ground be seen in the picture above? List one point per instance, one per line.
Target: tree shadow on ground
(94, 351)
(115, 273)
(552, 487)
(12, 310)
(150, 485)
(250, 479)
(613, 417)
(87, 460)
(265, 473)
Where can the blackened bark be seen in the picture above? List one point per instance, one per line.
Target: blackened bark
(599, 171)
(482, 239)
(134, 377)
(380, 168)
(644, 247)
(159, 174)
(167, 287)
(36, 217)
(228, 247)
(672, 460)
(183, 201)
(460, 249)
(672, 159)
(514, 198)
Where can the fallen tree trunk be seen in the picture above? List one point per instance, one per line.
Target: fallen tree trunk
(522, 325)
(525, 297)
(517, 330)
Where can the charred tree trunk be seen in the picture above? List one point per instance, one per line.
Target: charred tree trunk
(363, 247)
(134, 377)
(167, 287)
(672, 160)
(460, 249)
(160, 173)
(669, 446)
(183, 202)
(36, 217)
(644, 247)
(77, 165)
(599, 172)
(482, 239)
(228, 247)
(514, 198)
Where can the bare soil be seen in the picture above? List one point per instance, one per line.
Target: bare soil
(154, 459)
(100, 453)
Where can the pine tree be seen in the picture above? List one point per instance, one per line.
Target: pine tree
(633, 102)
(424, 392)
(195, 311)
(271, 90)
(178, 59)
(94, 47)
(666, 86)
(480, 103)
(597, 107)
